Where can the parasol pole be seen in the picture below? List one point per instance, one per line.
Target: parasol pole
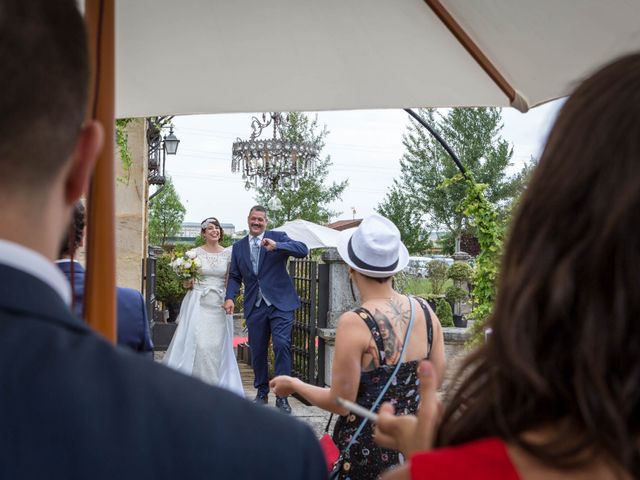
(100, 291)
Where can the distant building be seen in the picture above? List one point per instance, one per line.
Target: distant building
(345, 224)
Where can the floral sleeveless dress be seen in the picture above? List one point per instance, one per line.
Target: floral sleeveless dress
(365, 459)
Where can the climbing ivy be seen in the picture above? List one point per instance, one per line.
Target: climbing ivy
(122, 141)
(484, 217)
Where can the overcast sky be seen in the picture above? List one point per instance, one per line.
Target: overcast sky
(365, 147)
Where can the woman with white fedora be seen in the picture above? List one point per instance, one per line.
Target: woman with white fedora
(379, 343)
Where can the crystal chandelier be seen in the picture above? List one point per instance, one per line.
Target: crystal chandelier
(270, 163)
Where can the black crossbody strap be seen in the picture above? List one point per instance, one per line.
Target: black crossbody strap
(429, 320)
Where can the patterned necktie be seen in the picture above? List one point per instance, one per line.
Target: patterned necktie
(255, 254)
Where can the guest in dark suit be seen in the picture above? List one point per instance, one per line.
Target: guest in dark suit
(260, 261)
(133, 326)
(73, 405)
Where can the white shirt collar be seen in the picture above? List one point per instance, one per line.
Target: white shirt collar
(29, 261)
(259, 237)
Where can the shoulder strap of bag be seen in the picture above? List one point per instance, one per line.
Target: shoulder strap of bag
(387, 385)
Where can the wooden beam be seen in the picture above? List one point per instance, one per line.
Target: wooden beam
(100, 291)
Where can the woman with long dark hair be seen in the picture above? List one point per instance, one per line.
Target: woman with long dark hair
(555, 391)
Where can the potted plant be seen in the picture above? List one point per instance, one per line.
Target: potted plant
(455, 296)
(169, 289)
(437, 274)
(444, 314)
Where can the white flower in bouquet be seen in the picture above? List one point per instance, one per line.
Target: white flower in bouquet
(190, 254)
(186, 267)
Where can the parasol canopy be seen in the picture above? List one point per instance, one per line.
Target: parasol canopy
(206, 56)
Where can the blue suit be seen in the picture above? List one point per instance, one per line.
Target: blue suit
(74, 407)
(273, 317)
(133, 327)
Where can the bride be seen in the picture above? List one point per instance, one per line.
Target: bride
(202, 345)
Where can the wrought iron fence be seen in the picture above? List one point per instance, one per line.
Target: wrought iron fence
(304, 273)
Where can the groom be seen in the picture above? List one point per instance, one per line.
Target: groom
(260, 261)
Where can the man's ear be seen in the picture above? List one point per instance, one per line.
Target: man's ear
(83, 160)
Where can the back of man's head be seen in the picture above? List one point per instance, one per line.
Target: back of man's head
(43, 89)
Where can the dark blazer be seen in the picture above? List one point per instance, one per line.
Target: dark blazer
(133, 326)
(272, 278)
(72, 406)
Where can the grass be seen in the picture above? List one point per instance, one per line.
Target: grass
(420, 286)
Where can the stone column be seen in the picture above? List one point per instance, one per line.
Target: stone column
(131, 215)
(340, 300)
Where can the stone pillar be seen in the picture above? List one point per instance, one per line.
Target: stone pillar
(340, 300)
(131, 207)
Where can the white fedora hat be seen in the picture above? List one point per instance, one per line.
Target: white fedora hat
(374, 248)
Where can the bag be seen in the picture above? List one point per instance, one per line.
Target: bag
(329, 447)
(337, 466)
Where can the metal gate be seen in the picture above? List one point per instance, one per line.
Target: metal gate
(304, 340)
(304, 273)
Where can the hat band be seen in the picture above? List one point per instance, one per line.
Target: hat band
(365, 266)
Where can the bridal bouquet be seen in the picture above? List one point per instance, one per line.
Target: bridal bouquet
(187, 265)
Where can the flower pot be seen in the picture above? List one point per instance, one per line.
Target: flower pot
(459, 321)
(174, 310)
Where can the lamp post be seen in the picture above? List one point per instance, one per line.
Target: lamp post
(158, 148)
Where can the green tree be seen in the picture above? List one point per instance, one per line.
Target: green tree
(474, 134)
(397, 206)
(309, 199)
(166, 214)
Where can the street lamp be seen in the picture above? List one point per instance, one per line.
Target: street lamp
(158, 148)
(171, 142)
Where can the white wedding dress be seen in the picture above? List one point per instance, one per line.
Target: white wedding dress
(202, 345)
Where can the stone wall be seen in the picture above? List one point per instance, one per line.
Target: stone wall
(130, 207)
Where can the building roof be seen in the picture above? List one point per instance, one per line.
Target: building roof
(345, 224)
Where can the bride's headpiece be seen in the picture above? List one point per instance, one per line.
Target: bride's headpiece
(208, 221)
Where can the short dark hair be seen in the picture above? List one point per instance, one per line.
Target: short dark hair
(258, 208)
(43, 88)
(215, 221)
(75, 232)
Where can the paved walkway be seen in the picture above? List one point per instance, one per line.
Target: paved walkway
(315, 417)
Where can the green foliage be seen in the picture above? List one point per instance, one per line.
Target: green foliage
(122, 142)
(238, 303)
(444, 313)
(398, 207)
(437, 273)
(166, 214)
(455, 294)
(310, 198)
(460, 272)
(169, 287)
(474, 134)
(490, 234)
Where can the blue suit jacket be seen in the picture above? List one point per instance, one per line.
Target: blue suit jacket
(76, 407)
(133, 327)
(272, 278)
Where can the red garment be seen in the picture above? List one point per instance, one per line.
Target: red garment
(479, 460)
